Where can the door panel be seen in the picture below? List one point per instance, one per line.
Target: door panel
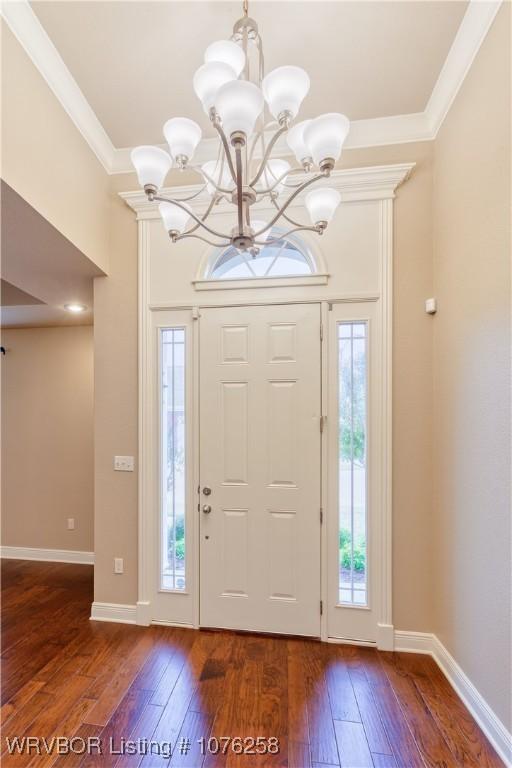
(260, 407)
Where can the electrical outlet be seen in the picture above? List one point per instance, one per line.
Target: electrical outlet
(71, 523)
(118, 565)
(123, 463)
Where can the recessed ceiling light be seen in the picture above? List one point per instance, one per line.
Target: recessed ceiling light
(74, 307)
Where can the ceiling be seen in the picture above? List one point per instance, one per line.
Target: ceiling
(134, 61)
(41, 269)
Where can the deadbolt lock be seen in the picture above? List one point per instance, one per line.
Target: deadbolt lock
(207, 491)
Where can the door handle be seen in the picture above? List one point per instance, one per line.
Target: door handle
(207, 509)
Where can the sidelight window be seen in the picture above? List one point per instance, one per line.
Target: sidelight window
(172, 571)
(352, 462)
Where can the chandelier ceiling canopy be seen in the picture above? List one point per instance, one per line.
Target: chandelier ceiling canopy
(237, 96)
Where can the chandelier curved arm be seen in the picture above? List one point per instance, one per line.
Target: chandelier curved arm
(191, 197)
(260, 135)
(299, 228)
(290, 200)
(266, 156)
(279, 179)
(185, 235)
(204, 216)
(197, 219)
(286, 217)
(217, 188)
(227, 151)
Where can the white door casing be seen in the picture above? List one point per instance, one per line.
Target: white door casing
(260, 409)
(358, 254)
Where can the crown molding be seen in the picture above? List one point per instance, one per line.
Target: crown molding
(380, 131)
(473, 29)
(398, 129)
(33, 38)
(355, 184)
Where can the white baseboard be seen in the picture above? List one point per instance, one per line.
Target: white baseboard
(117, 612)
(47, 555)
(489, 722)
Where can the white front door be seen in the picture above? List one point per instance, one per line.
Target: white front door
(260, 408)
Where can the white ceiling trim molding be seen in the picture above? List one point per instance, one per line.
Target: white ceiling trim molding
(378, 182)
(33, 38)
(380, 131)
(473, 29)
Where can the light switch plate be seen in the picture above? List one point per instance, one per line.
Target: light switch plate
(124, 463)
(71, 523)
(118, 565)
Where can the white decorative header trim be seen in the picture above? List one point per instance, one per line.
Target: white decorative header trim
(373, 183)
(380, 131)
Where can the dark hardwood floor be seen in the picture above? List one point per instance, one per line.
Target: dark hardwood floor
(328, 705)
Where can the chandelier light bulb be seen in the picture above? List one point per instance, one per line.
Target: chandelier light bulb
(212, 171)
(325, 135)
(295, 140)
(274, 170)
(175, 218)
(183, 136)
(239, 104)
(321, 204)
(152, 165)
(208, 79)
(284, 89)
(227, 52)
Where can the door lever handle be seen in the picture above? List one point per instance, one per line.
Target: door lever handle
(207, 509)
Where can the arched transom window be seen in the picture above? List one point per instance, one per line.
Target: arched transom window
(282, 257)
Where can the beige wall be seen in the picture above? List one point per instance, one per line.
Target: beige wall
(45, 158)
(115, 416)
(472, 374)
(116, 387)
(47, 438)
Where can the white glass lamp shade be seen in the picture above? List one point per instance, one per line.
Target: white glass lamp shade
(175, 218)
(239, 105)
(284, 90)
(152, 165)
(208, 79)
(227, 52)
(211, 169)
(183, 136)
(321, 204)
(273, 172)
(295, 140)
(324, 136)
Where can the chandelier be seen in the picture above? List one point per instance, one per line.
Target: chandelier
(237, 97)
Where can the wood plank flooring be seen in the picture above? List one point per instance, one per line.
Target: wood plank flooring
(327, 705)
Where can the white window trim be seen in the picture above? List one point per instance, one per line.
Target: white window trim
(319, 276)
(260, 282)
